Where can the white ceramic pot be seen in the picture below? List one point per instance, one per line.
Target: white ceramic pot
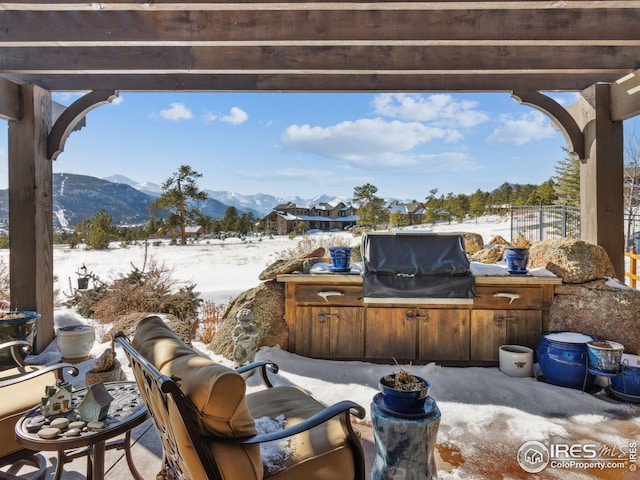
(75, 341)
(516, 360)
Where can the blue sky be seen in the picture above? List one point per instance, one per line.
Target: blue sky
(307, 144)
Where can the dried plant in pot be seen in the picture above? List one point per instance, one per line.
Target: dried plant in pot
(404, 392)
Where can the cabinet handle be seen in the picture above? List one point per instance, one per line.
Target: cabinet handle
(323, 316)
(330, 293)
(411, 314)
(510, 296)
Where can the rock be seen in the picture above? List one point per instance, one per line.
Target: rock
(281, 267)
(73, 432)
(59, 423)
(266, 301)
(317, 253)
(95, 426)
(491, 254)
(574, 260)
(499, 240)
(78, 424)
(472, 242)
(48, 433)
(596, 309)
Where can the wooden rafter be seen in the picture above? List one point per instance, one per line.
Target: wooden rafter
(319, 46)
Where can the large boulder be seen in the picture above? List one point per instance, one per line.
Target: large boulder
(266, 301)
(473, 242)
(607, 313)
(491, 254)
(573, 260)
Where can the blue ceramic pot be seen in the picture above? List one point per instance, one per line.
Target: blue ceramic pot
(17, 326)
(626, 387)
(564, 363)
(404, 401)
(340, 257)
(517, 260)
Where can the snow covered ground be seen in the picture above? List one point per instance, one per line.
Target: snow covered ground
(486, 415)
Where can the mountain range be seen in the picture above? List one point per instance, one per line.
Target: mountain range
(81, 196)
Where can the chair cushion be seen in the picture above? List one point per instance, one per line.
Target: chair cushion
(322, 453)
(15, 400)
(216, 392)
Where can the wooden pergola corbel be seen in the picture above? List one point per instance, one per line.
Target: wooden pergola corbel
(601, 163)
(71, 117)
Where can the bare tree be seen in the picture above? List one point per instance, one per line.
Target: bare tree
(631, 182)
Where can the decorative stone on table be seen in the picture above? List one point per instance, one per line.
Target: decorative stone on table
(245, 336)
(405, 445)
(95, 405)
(57, 399)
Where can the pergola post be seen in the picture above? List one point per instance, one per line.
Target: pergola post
(30, 211)
(601, 174)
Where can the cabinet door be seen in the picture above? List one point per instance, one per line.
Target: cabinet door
(443, 334)
(492, 328)
(329, 332)
(390, 333)
(525, 328)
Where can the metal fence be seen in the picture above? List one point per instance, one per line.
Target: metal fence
(541, 222)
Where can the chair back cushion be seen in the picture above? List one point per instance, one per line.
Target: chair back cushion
(216, 394)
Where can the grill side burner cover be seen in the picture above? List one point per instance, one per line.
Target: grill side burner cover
(418, 266)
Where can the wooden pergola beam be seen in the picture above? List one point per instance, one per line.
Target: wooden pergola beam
(376, 81)
(83, 23)
(9, 100)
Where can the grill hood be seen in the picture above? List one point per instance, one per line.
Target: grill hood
(410, 267)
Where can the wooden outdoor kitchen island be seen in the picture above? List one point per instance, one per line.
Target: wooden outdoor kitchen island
(328, 318)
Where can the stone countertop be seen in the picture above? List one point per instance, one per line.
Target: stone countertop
(348, 279)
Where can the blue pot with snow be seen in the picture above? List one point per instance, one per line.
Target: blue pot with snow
(563, 358)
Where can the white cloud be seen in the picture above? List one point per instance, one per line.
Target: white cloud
(360, 137)
(117, 100)
(176, 112)
(236, 116)
(526, 128)
(438, 109)
(378, 144)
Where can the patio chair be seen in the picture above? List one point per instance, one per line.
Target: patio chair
(206, 422)
(21, 388)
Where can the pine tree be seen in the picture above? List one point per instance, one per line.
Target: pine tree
(371, 209)
(568, 179)
(177, 191)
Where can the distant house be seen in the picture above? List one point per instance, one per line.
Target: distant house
(325, 216)
(415, 212)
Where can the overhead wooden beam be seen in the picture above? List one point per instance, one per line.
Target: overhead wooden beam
(190, 23)
(625, 97)
(322, 81)
(281, 59)
(9, 100)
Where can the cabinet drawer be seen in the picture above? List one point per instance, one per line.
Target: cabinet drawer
(329, 294)
(505, 297)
